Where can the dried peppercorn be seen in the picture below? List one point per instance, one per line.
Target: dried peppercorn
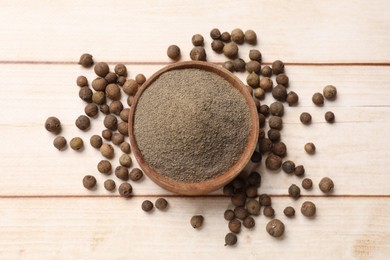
(237, 36)
(310, 148)
(230, 239)
(198, 53)
(86, 60)
(197, 221)
(255, 55)
(120, 70)
(275, 228)
(234, 226)
(307, 184)
(217, 46)
(305, 118)
(265, 200)
(230, 50)
(99, 98)
(250, 37)
(59, 142)
(225, 37)
(99, 84)
(266, 71)
(248, 222)
(277, 67)
(329, 117)
(104, 167)
(308, 209)
(326, 185)
(299, 170)
(82, 81)
(273, 162)
(109, 185)
(107, 151)
(113, 92)
(292, 98)
(288, 166)
(76, 143)
(91, 110)
(125, 190)
(111, 77)
(147, 205)
(101, 69)
(140, 78)
(330, 92)
(275, 122)
(173, 52)
(53, 124)
(266, 84)
(294, 191)
(96, 141)
(125, 160)
(253, 66)
(135, 174)
(161, 204)
(86, 94)
(122, 173)
(279, 149)
(269, 211)
(318, 99)
(253, 207)
(276, 108)
(289, 211)
(215, 34)
(117, 138)
(197, 40)
(89, 182)
(273, 135)
(279, 92)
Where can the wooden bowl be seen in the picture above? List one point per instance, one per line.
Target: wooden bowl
(197, 188)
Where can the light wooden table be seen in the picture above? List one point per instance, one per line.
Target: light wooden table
(45, 213)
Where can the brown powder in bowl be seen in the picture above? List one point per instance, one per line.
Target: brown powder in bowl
(191, 125)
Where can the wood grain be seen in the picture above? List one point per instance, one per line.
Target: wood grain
(45, 211)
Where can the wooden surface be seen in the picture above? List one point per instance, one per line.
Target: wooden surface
(46, 213)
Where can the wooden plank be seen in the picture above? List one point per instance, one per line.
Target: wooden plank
(306, 31)
(115, 228)
(352, 151)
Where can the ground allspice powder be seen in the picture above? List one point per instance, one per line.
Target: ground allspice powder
(207, 130)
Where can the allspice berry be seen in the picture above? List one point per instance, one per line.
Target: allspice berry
(225, 37)
(107, 151)
(197, 40)
(111, 77)
(269, 211)
(275, 228)
(96, 141)
(125, 147)
(299, 170)
(259, 93)
(89, 182)
(266, 71)
(264, 109)
(173, 52)
(86, 60)
(76, 143)
(86, 94)
(110, 122)
(83, 122)
(318, 99)
(217, 46)
(239, 65)
(310, 148)
(277, 67)
(109, 185)
(308, 209)
(228, 65)
(255, 55)
(253, 207)
(305, 118)
(326, 185)
(329, 117)
(99, 98)
(276, 108)
(253, 80)
(125, 190)
(234, 226)
(59, 142)
(107, 134)
(91, 110)
(140, 78)
(266, 84)
(250, 37)
(215, 34)
(251, 191)
(113, 92)
(120, 70)
(53, 124)
(198, 53)
(274, 136)
(265, 145)
(238, 199)
(253, 66)
(82, 81)
(130, 87)
(330, 92)
(135, 174)
(99, 84)
(238, 183)
(254, 179)
(105, 109)
(265, 200)
(123, 128)
(117, 138)
(230, 50)
(104, 166)
(241, 212)
(121, 80)
(229, 215)
(289, 212)
(161, 203)
(147, 205)
(288, 166)
(279, 92)
(197, 221)
(249, 222)
(273, 162)
(292, 98)
(282, 79)
(275, 122)
(230, 239)
(101, 69)
(307, 183)
(124, 114)
(294, 191)
(279, 149)
(125, 160)
(116, 107)
(122, 173)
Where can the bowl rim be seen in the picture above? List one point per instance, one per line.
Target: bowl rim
(197, 188)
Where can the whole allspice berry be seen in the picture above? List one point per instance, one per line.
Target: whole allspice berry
(282, 79)
(82, 81)
(99, 84)
(274, 136)
(269, 211)
(307, 183)
(239, 65)
(299, 170)
(117, 138)
(288, 166)
(198, 53)
(255, 55)
(120, 70)
(305, 118)
(229, 214)
(86, 94)
(266, 84)
(147, 205)
(241, 212)
(107, 151)
(279, 149)
(161, 204)
(234, 226)
(294, 191)
(254, 179)
(253, 80)
(91, 110)
(173, 52)
(125, 160)
(215, 34)
(289, 212)
(96, 141)
(277, 67)
(318, 99)
(101, 69)
(326, 185)
(265, 145)
(86, 60)
(238, 36)
(275, 228)
(329, 117)
(122, 173)
(135, 174)
(104, 167)
(107, 134)
(253, 207)
(121, 80)
(217, 46)
(249, 222)
(230, 50)
(264, 109)
(276, 108)
(238, 183)
(310, 148)
(113, 91)
(110, 122)
(99, 98)
(256, 157)
(130, 87)
(140, 78)
(279, 92)
(225, 37)
(116, 107)
(273, 162)
(250, 37)
(275, 122)
(76, 143)
(253, 66)
(125, 147)
(308, 209)
(251, 191)
(292, 98)
(123, 128)
(330, 92)
(109, 185)
(259, 93)
(89, 182)
(197, 221)
(83, 122)
(124, 114)
(228, 65)
(197, 40)
(59, 142)
(230, 239)
(53, 124)
(238, 199)
(111, 77)
(125, 190)
(266, 71)
(265, 200)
